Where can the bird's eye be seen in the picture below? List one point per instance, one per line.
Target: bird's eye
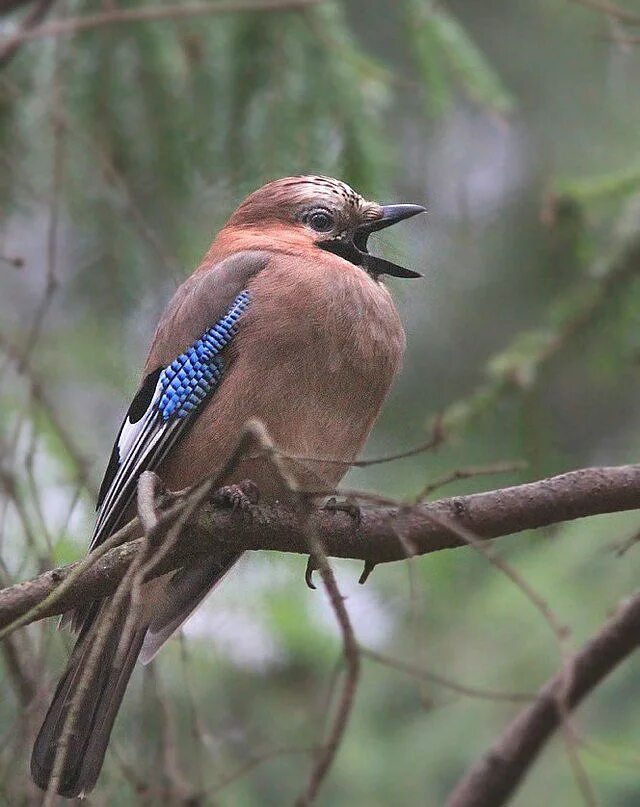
(320, 220)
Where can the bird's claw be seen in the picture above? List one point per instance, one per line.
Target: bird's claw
(308, 572)
(347, 506)
(369, 566)
(241, 496)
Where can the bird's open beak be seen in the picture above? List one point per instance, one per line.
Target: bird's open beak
(356, 251)
(391, 214)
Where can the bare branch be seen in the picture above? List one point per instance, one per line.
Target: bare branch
(128, 16)
(37, 390)
(419, 673)
(19, 672)
(35, 16)
(610, 10)
(495, 777)
(7, 6)
(326, 754)
(621, 39)
(587, 492)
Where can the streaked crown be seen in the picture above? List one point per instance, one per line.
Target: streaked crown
(326, 205)
(332, 216)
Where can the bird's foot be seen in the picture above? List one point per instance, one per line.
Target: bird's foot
(241, 496)
(312, 566)
(354, 510)
(349, 506)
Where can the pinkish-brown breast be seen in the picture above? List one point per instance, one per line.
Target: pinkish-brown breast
(315, 355)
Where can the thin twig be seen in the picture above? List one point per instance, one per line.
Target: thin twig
(180, 789)
(611, 10)
(30, 23)
(98, 639)
(434, 442)
(37, 392)
(62, 582)
(561, 634)
(444, 681)
(497, 775)
(254, 762)
(327, 753)
(469, 473)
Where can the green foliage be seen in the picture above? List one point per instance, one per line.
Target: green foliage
(447, 55)
(587, 190)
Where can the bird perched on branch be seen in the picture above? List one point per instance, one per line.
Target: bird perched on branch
(286, 320)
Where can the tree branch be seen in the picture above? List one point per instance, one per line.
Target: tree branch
(610, 10)
(35, 16)
(127, 16)
(495, 777)
(497, 513)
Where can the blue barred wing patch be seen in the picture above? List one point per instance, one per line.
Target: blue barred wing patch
(167, 401)
(187, 381)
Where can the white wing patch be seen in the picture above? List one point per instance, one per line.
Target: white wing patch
(130, 431)
(142, 444)
(165, 404)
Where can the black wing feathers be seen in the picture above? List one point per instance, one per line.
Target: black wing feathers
(138, 407)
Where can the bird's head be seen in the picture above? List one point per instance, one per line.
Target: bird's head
(330, 215)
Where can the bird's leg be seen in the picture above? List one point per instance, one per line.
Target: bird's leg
(241, 496)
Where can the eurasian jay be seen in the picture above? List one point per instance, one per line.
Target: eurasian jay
(285, 320)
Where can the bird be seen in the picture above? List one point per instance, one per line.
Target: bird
(286, 320)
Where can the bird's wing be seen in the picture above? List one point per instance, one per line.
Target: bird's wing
(183, 369)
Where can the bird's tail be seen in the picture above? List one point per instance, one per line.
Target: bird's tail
(84, 707)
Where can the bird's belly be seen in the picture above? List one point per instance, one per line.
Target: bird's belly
(317, 388)
(319, 410)
(310, 416)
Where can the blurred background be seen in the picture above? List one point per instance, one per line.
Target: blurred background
(123, 148)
